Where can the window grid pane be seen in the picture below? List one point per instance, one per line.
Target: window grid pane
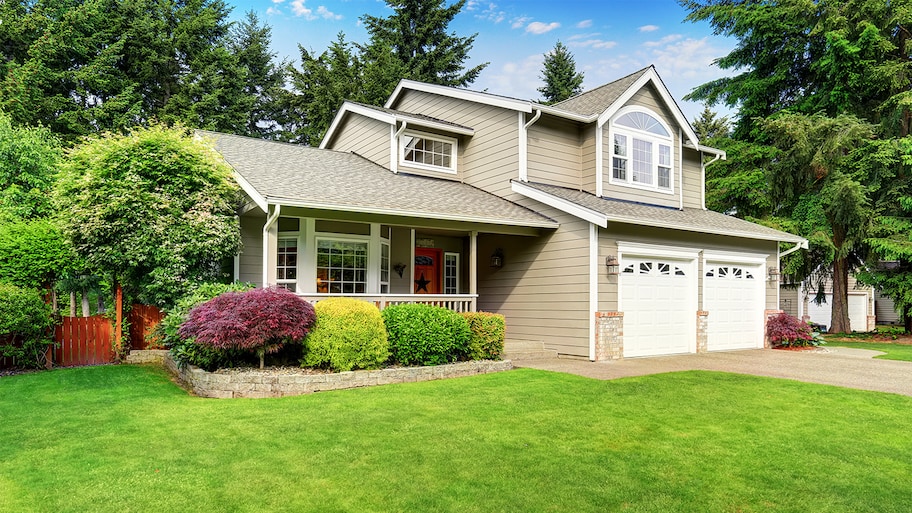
(287, 263)
(427, 151)
(451, 273)
(642, 161)
(341, 266)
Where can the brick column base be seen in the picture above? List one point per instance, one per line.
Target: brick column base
(872, 323)
(609, 336)
(702, 331)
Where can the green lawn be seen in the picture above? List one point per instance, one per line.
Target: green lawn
(902, 352)
(124, 438)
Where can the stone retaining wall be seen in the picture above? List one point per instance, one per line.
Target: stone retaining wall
(141, 356)
(270, 383)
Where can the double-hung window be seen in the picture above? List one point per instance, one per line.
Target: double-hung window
(641, 151)
(427, 151)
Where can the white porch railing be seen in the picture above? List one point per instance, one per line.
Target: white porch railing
(455, 302)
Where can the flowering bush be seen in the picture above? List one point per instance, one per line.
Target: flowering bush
(261, 320)
(788, 331)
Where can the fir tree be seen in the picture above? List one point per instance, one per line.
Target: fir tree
(562, 80)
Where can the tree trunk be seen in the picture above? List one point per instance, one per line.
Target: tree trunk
(100, 308)
(839, 317)
(907, 319)
(85, 303)
(73, 304)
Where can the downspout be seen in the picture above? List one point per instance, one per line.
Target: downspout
(395, 156)
(269, 222)
(800, 245)
(680, 169)
(524, 148)
(703, 167)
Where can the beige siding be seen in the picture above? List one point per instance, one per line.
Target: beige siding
(543, 286)
(555, 153)
(587, 157)
(693, 179)
(490, 158)
(647, 97)
(789, 300)
(366, 137)
(251, 257)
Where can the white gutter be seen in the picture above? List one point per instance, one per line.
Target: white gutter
(801, 245)
(524, 146)
(269, 222)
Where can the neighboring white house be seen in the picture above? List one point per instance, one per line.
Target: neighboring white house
(799, 301)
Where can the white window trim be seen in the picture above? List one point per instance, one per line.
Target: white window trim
(430, 167)
(445, 255)
(655, 139)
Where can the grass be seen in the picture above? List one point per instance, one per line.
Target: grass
(124, 438)
(902, 352)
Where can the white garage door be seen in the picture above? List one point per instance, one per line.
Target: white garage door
(733, 296)
(658, 298)
(858, 311)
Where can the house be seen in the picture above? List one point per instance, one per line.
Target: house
(582, 222)
(798, 300)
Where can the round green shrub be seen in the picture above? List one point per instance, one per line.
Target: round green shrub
(25, 326)
(488, 333)
(426, 335)
(349, 334)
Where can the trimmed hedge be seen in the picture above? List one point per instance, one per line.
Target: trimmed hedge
(25, 322)
(488, 333)
(349, 334)
(426, 335)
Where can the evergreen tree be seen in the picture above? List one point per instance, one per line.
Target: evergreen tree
(416, 34)
(710, 126)
(264, 78)
(559, 73)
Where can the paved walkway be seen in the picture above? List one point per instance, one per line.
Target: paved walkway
(839, 366)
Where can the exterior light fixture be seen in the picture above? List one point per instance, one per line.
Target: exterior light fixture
(399, 268)
(497, 259)
(773, 274)
(614, 268)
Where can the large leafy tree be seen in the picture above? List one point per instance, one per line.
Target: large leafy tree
(28, 165)
(154, 209)
(829, 64)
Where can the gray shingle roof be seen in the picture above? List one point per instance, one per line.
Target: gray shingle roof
(689, 219)
(595, 101)
(291, 174)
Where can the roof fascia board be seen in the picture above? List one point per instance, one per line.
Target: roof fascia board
(436, 126)
(251, 192)
(711, 231)
(406, 213)
(462, 94)
(358, 109)
(651, 76)
(707, 149)
(561, 204)
(547, 109)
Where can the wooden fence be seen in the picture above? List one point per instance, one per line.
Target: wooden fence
(143, 318)
(83, 341)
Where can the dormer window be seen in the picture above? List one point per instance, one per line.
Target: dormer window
(427, 151)
(641, 153)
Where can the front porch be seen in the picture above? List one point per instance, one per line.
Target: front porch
(455, 302)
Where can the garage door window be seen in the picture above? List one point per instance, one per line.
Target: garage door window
(654, 269)
(730, 272)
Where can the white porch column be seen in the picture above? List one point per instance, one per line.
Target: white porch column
(373, 260)
(412, 262)
(473, 267)
(307, 256)
(270, 232)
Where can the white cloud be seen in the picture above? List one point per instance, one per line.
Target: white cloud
(272, 11)
(584, 24)
(688, 58)
(519, 22)
(277, 1)
(299, 9)
(518, 79)
(577, 37)
(327, 14)
(592, 43)
(490, 13)
(537, 27)
(649, 28)
(664, 41)
(471, 5)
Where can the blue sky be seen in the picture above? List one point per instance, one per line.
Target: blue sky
(608, 38)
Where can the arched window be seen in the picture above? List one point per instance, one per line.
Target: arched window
(641, 153)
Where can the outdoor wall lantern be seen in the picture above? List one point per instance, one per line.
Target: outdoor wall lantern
(773, 274)
(614, 268)
(497, 259)
(399, 268)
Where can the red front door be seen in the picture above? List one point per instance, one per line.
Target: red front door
(427, 270)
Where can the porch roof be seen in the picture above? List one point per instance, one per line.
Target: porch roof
(301, 176)
(601, 211)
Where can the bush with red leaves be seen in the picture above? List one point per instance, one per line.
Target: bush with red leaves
(260, 320)
(789, 331)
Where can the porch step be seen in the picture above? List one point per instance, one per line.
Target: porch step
(527, 350)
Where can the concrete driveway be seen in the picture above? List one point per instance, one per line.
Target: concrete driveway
(839, 366)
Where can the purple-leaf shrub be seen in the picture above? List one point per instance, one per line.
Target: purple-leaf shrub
(260, 320)
(789, 331)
